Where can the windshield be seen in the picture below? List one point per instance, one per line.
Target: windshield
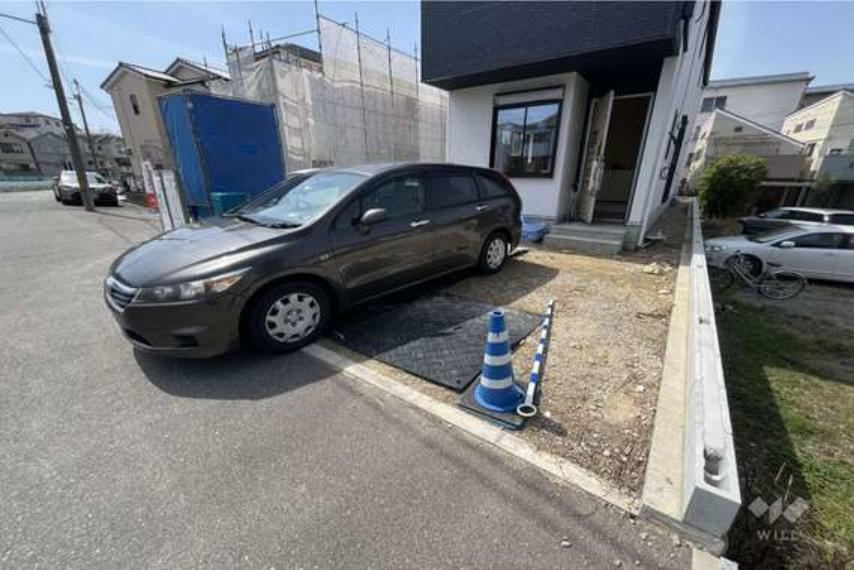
(297, 202)
(93, 178)
(766, 237)
(69, 178)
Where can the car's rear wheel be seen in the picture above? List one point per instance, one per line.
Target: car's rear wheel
(288, 316)
(494, 254)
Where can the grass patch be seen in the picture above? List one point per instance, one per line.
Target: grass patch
(792, 406)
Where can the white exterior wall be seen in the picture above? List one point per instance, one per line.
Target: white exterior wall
(469, 137)
(765, 103)
(678, 93)
(834, 126)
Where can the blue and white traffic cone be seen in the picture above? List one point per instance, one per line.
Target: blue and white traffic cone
(497, 389)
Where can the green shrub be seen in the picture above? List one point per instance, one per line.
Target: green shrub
(729, 186)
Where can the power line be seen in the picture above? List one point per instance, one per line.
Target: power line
(25, 56)
(18, 18)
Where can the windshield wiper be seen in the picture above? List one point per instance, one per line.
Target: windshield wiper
(257, 222)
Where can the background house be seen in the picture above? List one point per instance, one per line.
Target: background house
(764, 99)
(584, 105)
(31, 124)
(134, 90)
(16, 158)
(827, 129)
(726, 134)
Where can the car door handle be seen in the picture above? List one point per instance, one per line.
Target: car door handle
(481, 208)
(418, 223)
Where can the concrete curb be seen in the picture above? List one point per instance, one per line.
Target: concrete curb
(561, 469)
(662, 494)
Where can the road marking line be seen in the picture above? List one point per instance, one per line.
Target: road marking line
(563, 470)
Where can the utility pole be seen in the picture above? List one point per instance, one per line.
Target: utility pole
(85, 124)
(70, 133)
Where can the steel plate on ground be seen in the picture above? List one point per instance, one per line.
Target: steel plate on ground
(437, 337)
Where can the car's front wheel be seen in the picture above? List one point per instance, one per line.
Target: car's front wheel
(288, 316)
(493, 256)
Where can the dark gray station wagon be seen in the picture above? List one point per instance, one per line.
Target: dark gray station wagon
(275, 271)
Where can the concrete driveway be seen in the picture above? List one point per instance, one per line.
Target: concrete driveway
(109, 458)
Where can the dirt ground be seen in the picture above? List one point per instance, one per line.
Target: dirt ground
(598, 397)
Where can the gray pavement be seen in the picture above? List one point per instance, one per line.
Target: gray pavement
(110, 458)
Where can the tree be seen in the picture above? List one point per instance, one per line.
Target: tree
(729, 186)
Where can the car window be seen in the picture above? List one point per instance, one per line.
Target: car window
(68, 178)
(490, 188)
(776, 214)
(844, 219)
(821, 241)
(402, 197)
(93, 178)
(451, 190)
(805, 216)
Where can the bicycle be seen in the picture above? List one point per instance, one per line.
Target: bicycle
(776, 284)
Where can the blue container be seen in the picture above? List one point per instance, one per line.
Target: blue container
(222, 146)
(225, 201)
(533, 231)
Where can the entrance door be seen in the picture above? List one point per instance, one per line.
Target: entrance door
(594, 156)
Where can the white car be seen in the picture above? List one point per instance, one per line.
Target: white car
(816, 252)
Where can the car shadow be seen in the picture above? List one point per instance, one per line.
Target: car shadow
(239, 375)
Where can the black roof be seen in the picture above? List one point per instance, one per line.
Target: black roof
(475, 43)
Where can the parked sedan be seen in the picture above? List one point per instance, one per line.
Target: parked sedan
(67, 189)
(819, 252)
(275, 271)
(785, 217)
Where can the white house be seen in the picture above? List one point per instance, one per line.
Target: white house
(765, 99)
(827, 129)
(584, 105)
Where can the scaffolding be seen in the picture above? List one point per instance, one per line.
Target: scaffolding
(360, 101)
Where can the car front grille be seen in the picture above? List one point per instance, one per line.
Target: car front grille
(118, 294)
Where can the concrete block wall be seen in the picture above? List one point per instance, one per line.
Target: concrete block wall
(711, 495)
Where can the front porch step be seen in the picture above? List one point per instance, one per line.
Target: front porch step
(598, 231)
(584, 243)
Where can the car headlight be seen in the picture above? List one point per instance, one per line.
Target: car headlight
(191, 290)
(711, 248)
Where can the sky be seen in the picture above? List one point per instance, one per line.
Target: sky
(754, 38)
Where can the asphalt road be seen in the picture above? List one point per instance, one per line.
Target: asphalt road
(111, 459)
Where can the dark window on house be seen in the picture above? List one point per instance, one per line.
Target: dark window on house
(799, 127)
(490, 188)
(711, 103)
(810, 148)
(524, 138)
(738, 129)
(809, 124)
(451, 190)
(11, 148)
(134, 102)
(835, 151)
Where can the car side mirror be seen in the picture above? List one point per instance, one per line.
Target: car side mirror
(373, 216)
(788, 244)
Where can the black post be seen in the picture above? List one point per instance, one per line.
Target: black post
(70, 133)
